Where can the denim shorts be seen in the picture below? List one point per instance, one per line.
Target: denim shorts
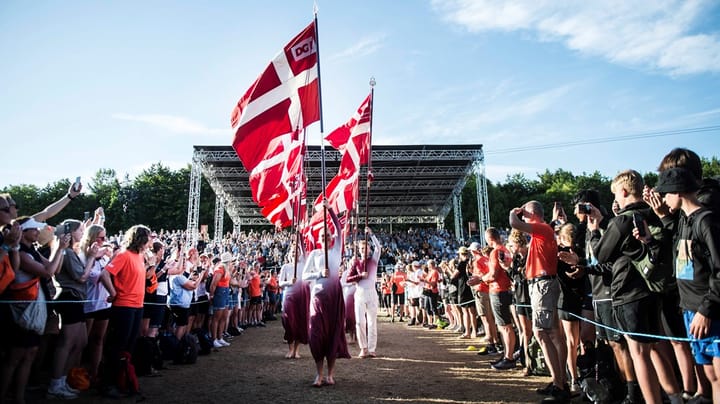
(220, 298)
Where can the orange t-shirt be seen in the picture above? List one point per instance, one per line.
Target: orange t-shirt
(542, 252)
(224, 277)
(128, 268)
(254, 287)
(272, 285)
(480, 268)
(502, 282)
(399, 279)
(432, 279)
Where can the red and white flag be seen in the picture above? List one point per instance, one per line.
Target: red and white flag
(353, 138)
(281, 102)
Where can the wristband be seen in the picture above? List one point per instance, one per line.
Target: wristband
(70, 196)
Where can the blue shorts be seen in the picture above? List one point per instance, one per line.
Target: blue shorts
(233, 299)
(220, 298)
(706, 349)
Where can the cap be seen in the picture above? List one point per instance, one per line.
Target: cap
(226, 257)
(676, 180)
(463, 250)
(474, 246)
(416, 263)
(32, 224)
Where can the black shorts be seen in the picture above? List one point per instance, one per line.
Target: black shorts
(524, 310)
(604, 315)
(70, 309)
(180, 315)
(201, 306)
(154, 309)
(255, 300)
(399, 299)
(415, 301)
(640, 317)
(671, 315)
(99, 315)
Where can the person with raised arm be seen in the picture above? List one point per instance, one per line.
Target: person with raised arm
(327, 309)
(363, 271)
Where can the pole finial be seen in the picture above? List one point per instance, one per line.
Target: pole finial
(372, 81)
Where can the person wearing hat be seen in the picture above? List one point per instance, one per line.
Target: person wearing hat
(697, 268)
(22, 344)
(219, 292)
(465, 299)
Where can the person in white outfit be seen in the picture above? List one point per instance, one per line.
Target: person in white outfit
(363, 271)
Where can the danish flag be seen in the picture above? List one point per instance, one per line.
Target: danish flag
(268, 119)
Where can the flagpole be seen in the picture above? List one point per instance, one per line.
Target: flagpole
(322, 143)
(296, 212)
(369, 169)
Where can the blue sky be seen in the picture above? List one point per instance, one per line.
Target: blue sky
(124, 84)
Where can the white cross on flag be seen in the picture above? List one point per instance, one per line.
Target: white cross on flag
(281, 102)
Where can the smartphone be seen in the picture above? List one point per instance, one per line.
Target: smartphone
(639, 224)
(66, 228)
(585, 208)
(76, 185)
(86, 216)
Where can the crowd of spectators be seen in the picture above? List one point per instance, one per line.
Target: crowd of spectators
(75, 297)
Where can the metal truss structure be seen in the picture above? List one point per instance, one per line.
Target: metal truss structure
(412, 184)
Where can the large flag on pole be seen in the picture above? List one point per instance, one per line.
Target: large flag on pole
(268, 119)
(353, 141)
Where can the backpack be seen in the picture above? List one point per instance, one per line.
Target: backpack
(147, 356)
(127, 381)
(655, 270)
(188, 350)
(169, 346)
(537, 358)
(205, 340)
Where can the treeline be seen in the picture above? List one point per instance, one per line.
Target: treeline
(158, 196)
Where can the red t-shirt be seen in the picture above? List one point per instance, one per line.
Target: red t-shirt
(501, 281)
(128, 268)
(480, 268)
(254, 287)
(542, 252)
(224, 277)
(432, 279)
(398, 279)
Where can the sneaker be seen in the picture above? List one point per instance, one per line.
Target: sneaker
(60, 393)
(217, 344)
(496, 361)
(559, 394)
(504, 364)
(544, 391)
(223, 342)
(575, 388)
(240, 329)
(70, 389)
(698, 399)
(492, 349)
(411, 323)
(261, 324)
(425, 325)
(432, 327)
(482, 351)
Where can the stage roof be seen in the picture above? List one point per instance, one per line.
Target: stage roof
(412, 184)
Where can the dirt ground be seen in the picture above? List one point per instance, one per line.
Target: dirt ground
(414, 365)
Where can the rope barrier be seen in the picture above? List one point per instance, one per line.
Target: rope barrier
(635, 334)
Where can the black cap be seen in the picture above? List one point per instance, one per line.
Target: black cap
(676, 181)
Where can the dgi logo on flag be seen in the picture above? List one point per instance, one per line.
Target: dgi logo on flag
(303, 49)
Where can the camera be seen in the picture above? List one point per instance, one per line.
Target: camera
(585, 208)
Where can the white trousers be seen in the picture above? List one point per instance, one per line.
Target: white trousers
(366, 307)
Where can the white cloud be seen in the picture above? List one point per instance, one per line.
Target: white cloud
(656, 34)
(366, 46)
(176, 124)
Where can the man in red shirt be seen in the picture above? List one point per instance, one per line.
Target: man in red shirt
(255, 292)
(482, 297)
(541, 274)
(499, 285)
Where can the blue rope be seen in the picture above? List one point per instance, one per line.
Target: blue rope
(636, 334)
